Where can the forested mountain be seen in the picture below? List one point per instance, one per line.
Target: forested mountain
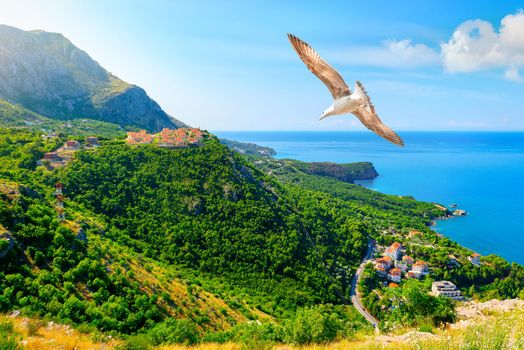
(43, 75)
(226, 219)
(190, 244)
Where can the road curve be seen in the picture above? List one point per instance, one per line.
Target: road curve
(11, 244)
(355, 298)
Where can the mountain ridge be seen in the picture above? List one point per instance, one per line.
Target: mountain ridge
(45, 73)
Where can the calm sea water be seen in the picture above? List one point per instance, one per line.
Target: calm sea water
(482, 172)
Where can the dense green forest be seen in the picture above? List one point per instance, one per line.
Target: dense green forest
(186, 206)
(185, 245)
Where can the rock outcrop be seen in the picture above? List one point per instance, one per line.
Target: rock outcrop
(347, 172)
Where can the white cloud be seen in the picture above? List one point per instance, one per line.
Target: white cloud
(476, 45)
(410, 54)
(513, 74)
(391, 54)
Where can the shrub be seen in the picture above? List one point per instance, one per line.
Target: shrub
(137, 342)
(33, 326)
(425, 328)
(8, 340)
(174, 331)
(39, 258)
(312, 325)
(6, 327)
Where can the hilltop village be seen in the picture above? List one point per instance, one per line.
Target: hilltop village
(169, 138)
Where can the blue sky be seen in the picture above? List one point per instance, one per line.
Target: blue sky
(227, 65)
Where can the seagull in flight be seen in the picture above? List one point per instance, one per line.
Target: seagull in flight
(345, 101)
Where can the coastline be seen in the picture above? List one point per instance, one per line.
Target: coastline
(471, 168)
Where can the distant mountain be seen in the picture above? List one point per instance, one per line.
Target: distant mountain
(43, 74)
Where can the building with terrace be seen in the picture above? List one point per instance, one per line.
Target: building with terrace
(446, 289)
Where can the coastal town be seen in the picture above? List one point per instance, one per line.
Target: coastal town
(395, 265)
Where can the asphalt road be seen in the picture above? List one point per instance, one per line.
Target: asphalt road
(355, 298)
(11, 244)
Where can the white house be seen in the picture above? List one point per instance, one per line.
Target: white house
(446, 289)
(393, 251)
(395, 275)
(421, 267)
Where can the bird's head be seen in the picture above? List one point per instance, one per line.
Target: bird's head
(328, 112)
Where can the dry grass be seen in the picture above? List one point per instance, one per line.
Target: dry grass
(497, 331)
(494, 332)
(39, 335)
(227, 346)
(207, 303)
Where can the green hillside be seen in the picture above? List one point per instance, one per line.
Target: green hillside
(199, 244)
(16, 116)
(208, 209)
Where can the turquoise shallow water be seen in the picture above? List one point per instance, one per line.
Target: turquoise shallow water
(482, 172)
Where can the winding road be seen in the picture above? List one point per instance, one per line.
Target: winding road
(10, 246)
(355, 298)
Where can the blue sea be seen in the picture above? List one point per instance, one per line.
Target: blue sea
(481, 172)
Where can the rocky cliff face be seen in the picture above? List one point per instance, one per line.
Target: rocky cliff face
(46, 74)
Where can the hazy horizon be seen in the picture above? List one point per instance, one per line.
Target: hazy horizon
(229, 66)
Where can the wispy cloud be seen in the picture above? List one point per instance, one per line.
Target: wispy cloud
(390, 54)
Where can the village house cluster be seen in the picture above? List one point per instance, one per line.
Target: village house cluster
(394, 264)
(65, 153)
(182, 137)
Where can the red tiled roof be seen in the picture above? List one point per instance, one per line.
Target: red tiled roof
(395, 271)
(395, 246)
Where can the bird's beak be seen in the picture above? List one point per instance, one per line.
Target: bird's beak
(323, 116)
